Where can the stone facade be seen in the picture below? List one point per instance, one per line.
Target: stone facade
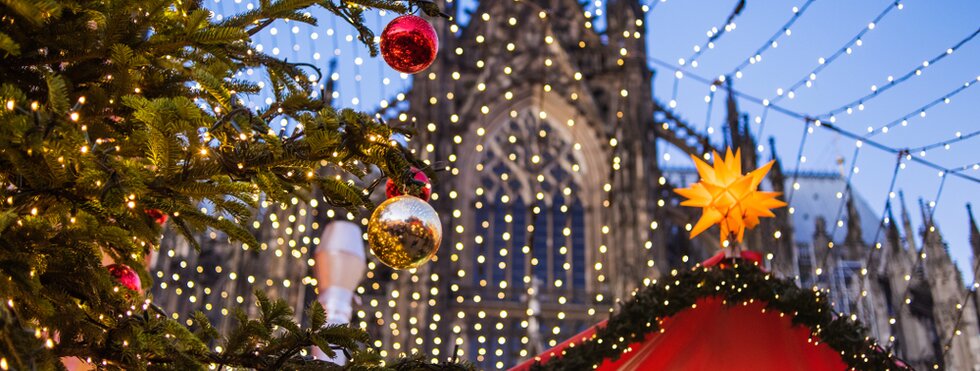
(622, 199)
(556, 205)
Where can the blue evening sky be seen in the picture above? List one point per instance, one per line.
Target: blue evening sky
(897, 44)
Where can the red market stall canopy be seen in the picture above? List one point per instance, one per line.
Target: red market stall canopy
(731, 317)
(716, 336)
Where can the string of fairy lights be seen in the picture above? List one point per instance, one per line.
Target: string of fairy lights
(293, 238)
(918, 70)
(884, 220)
(713, 35)
(946, 144)
(483, 194)
(756, 57)
(859, 104)
(970, 166)
(876, 244)
(853, 169)
(846, 49)
(488, 329)
(960, 308)
(838, 222)
(773, 41)
(809, 119)
(858, 146)
(485, 337)
(920, 256)
(922, 110)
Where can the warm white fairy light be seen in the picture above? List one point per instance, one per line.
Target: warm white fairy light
(488, 329)
(892, 81)
(772, 42)
(921, 111)
(822, 62)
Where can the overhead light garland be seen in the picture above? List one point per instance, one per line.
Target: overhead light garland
(894, 81)
(771, 43)
(846, 49)
(487, 323)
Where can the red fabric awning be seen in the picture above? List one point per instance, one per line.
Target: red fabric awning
(556, 350)
(714, 336)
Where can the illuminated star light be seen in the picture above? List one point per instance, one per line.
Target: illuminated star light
(729, 198)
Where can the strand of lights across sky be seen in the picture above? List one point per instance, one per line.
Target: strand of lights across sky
(805, 118)
(772, 42)
(756, 57)
(382, 311)
(822, 62)
(946, 144)
(713, 35)
(972, 165)
(858, 145)
(921, 111)
(892, 81)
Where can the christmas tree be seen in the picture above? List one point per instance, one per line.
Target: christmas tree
(119, 115)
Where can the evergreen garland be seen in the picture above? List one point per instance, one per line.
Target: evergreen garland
(735, 284)
(111, 108)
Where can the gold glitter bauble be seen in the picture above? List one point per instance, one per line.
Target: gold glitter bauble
(404, 232)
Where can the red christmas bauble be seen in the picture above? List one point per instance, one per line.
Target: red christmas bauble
(158, 216)
(422, 190)
(125, 275)
(409, 44)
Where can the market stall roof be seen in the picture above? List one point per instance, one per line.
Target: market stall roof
(731, 316)
(716, 336)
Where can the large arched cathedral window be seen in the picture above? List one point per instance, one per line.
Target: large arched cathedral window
(519, 231)
(529, 251)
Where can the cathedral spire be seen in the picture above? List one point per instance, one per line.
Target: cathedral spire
(893, 235)
(926, 215)
(932, 239)
(974, 233)
(776, 175)
(907, 224)
(738, 128)
(854, 232)
(626, 28)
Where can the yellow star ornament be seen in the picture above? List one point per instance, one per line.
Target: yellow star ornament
(729, 198)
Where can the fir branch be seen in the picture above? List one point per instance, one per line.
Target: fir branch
(57, 93)
(8, 45)
(34, 11)
(274, 10)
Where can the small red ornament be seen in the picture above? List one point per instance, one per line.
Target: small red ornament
(157, 215)
(421, 190)
(409, 44)
(126, 276)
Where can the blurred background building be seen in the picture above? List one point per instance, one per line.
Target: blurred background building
(557, 204)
